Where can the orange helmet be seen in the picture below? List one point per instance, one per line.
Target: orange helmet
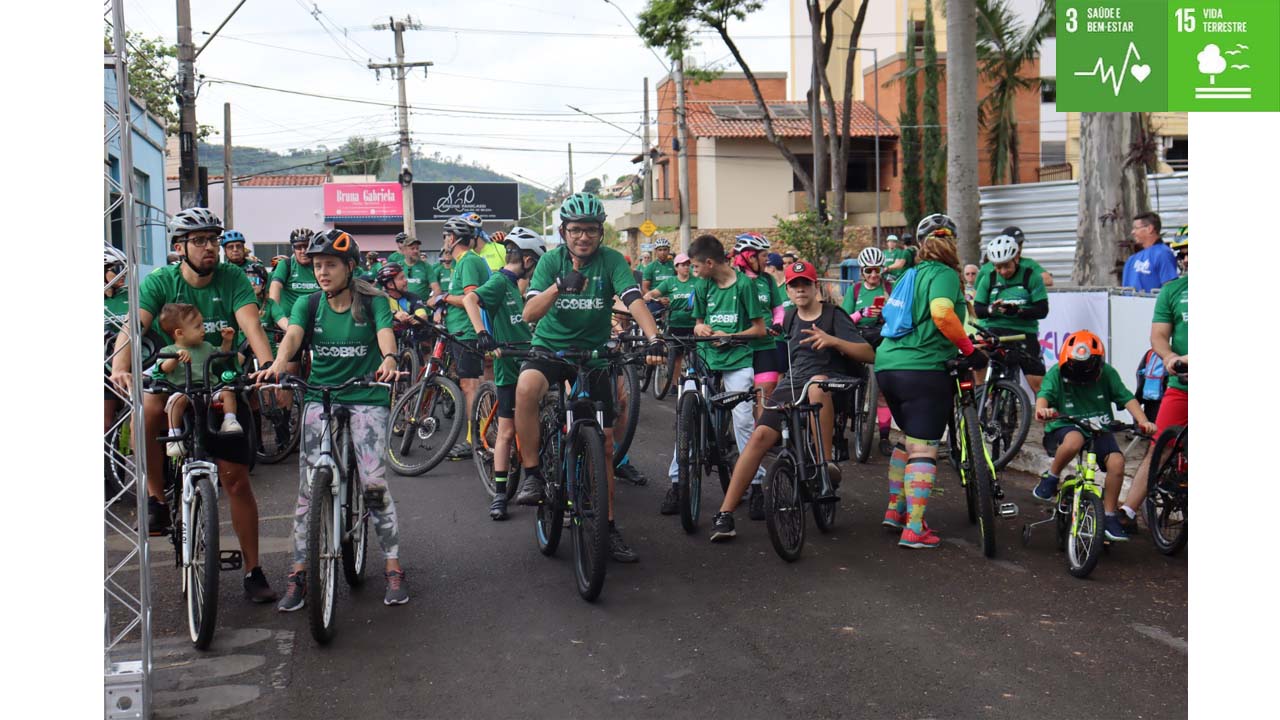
(1081, 358)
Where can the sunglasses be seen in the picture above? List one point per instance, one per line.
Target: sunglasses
(300, 246)
(871, 271)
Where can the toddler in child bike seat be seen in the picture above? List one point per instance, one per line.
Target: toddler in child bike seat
(185, 325)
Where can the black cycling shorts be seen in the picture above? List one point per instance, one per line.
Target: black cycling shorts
(468, 362)
(773, 418)
(1027, 355)
(507, 401)
(763, 361)
(920, 400)
(557, 374)
(1103, 445)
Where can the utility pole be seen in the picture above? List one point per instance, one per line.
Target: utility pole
(571, 190)
(226, 166)
(399, 69)
(648, 158)
(188, 181)
(683, 154)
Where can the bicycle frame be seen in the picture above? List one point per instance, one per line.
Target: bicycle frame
(801, 420)
(965, 397)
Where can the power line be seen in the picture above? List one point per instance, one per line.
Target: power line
(316, 13)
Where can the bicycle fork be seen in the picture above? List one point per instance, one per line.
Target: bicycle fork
(967, 454)
(335, 486)
(192, 472)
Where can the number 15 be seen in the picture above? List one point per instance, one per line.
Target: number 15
(1186, 19)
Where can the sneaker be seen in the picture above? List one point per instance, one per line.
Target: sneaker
(894, 519)
(1114, 530)
(295, 594)
(173, 450)
(157, 517)
(722, 527)
(1130, 524)
(397, 593)
(461, 451)
(1047, 490)
(631, 474)
(231, 426)
(531, 486)
(618, 548)
(886, 447)
(498, 508)
(257, 589)
(755, 503)
(913, 539)
(671, 503)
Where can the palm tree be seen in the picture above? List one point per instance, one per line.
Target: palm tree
(1004, 47)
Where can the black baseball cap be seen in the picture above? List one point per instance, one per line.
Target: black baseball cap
(1014, 232)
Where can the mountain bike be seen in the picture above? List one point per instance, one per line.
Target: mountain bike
(1077, 511)
(627, 391)
(1004, 410)
(858, 413)
(118, 468)
(337, 520)
(425, 421)
(484, 432)
(1166, 504)
(801, 476)
(277, 417)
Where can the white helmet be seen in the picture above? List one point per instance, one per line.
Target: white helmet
(661, 243)
(750, 241)
(1002, 248)
(871, 257)
(526, 239)
(113, 256)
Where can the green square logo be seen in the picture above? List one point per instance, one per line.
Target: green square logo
(1112, 55)
(1224, 56)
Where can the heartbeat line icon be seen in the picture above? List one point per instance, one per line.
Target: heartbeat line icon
(1116, 80)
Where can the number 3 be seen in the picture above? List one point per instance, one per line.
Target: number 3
(1071, 19)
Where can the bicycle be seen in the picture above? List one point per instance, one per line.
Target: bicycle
(277, 428)
(800, 475)
(704, 426)
(431, 410)
(337, 520)
(1077, 511)
(484, 433)
(625, 380)
(191, 493)
(1004, 410)
(859, 414)
(118, 468)
(1165, 506)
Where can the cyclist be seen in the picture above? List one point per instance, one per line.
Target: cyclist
(294, 278)
(269, 313)
(470, 272)
(115, 309)
(225, 299)
(860, 302)
(570, 297)
(815, 353)
(661, 268)
(1011, 299)
(1083, 385)
(1015, 232)
(392, 281)
(677, 293)
(185, 325)
(970, 278)
(748, 258)
(1169, 339)
(911, 370)
(443, 273)
(234, 250)
(417, 272)
(897, 258)
(726, 303)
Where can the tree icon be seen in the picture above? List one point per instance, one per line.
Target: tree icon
(1211, 61)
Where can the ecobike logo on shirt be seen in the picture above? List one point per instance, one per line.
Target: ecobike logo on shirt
(341, 351)
(300, 285)
(579, 303)
(723, 319)
(516, 319)
(214, 326)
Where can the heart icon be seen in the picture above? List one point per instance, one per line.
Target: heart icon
(1140, 72)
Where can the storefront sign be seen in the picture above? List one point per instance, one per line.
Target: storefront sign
(443, 200)
(363, 203)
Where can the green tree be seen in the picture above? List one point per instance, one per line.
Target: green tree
(909, 121)
(1004, 48)
(362, 156)
(935, 152)
(812, 238)
(532, 212)
(152, 68)
(592, 186)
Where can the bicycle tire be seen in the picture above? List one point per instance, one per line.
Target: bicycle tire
(784, 507)
(1085, 535)
(864, 419)
(322, 582)
(646, 378)
(549, 521)
(1005, 417)
(355, 546)
(119, 467)
(824, 515)
(727, 450)
(631, 381)
(432, 410)
(982, 480)
(689, 460)
(1167, 493)
(278, 445)
(202, 573)
(406, 362)
(590, 517)
(664, 377)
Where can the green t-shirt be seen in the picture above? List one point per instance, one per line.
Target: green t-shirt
(418, 278)
(396, 257)
(1083, 401)
(342, 349)
(765, 293)
(199, 354)
(582, 321)
(780, 297)
(471, 271)
(656, 272)
(679, 291)
(500, 297)
(1024, 288)
(443, 275)
(865, 298)
(731, 310)
(925, 347)
(115, 308)
(892, 256)
(1171, 307)
(228, 291)
(299, 281)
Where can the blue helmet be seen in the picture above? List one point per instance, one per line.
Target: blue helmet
(230, 236)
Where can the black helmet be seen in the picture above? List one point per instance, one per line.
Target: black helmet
(460, 228)
(257, 275)
(301, 235)
(933, 223)
(1015, 232)
(337, 243)
(387, 273)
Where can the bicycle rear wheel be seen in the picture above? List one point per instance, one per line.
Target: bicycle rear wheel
(784, 507)
(589, 488)
(429, 419)
(549, 521)
(355, 542)
(322, 585)
(689, 460)
(663, 376)
(202, 573)
(646, 378)
(1166, 502)
(864, 419)
(278, 427)
(981, 479)
(1005, 417)
(1085, 536)
(624, 427)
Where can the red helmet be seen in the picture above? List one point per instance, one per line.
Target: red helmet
(1081, 358)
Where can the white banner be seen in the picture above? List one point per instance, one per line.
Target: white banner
(1130, 337)
(1069, 312)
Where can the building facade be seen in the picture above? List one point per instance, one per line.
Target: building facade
(148, 215)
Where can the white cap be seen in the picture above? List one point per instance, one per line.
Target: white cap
(892, 238)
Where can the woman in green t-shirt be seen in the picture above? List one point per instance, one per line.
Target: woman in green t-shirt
(864, 302)
(351, 338)
(911, 370)
(677, 294)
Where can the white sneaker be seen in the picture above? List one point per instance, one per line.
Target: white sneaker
(174, 450)
(231, 426)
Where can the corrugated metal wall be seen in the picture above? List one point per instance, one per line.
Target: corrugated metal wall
(1046, 212)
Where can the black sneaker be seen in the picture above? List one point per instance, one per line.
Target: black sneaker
(295, 594)
(1130, 524)
(755, 503)
(886, 447)
(498, 508)
(157, 517)
(460, 451)
(631, 474)
(618, 548)
(671, 503)
(257, 589)
(531, 487)
(722, 527)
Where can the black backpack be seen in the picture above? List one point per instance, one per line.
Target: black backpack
(827, 322)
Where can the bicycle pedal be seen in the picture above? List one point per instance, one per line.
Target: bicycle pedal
(230, 560)
(1008, 510)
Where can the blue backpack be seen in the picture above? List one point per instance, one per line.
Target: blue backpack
(899, 311)
(1152, 379)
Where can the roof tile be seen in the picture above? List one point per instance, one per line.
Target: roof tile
(704, 123)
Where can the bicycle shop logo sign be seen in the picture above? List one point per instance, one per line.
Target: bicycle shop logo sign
(489, 200)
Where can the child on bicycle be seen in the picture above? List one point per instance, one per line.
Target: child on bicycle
(185, 325)
(1084, 386)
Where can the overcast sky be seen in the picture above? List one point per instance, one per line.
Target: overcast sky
(491, 56)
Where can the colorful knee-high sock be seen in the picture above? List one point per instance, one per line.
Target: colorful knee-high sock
(920, 475)
(897, 471)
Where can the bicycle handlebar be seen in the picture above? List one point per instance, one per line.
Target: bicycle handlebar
(1094, 426)
(293, 381)
(722, 340)
(991, 340)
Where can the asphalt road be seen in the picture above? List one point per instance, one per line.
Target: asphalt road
(856, 628)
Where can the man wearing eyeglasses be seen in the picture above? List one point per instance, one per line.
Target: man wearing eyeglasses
(1153, 264)
(294, 278)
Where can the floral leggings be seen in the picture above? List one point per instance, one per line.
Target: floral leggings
(368, 436)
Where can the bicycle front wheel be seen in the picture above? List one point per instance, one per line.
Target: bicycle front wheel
(1166, 503)
(278, 426)
(1005, 417)
(784, 507)
(981, 479)
(589, 488)
(1084, 539)
(321, 563)
(624, 428)
(549, 521)
(663, 376)
(689, 460)
(202, 573)
(355, 526)
(424, 424)
(864, 419)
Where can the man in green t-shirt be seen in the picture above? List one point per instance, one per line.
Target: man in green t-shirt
(500, 297)
(417, 273)
(294, 278)
(1015, 232)
(570, 297)
(224, 297)
(896, 258)
(1010, 299)
(661, 268)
